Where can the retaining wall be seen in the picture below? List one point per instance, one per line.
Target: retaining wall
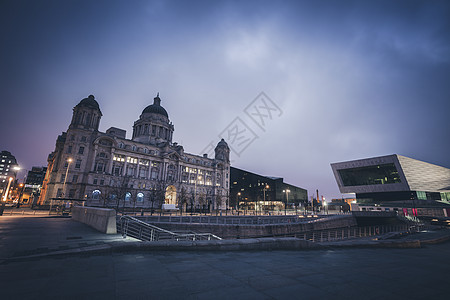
(228, 231)
(102, 219)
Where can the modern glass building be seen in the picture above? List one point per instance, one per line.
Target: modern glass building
(252, 191)
(393, 178)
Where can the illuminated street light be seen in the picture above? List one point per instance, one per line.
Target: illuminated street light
(5, 196)
(287, 199)
(265, 189)
(69, 160)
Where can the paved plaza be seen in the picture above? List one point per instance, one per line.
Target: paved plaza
(308, 274)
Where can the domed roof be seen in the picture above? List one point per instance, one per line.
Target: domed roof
(156, 108)
(222, 143)
(89, 102)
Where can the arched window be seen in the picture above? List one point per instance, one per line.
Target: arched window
(145, 150)
(121, 145)
(140, 197)
(133, 148)
(127, 196)
(96, 195)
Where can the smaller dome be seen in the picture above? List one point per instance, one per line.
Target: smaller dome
(156, 108)
(89, 102)
(222, 143)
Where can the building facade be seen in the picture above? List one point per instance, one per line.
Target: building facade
(262, 193)
(8, 173)
(393, 178)
(147, 171)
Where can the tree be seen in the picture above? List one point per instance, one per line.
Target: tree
(182, 199)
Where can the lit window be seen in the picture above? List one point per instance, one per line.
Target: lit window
(118, 157)
(96, 195)
(132, 160)
(140, 197)
(127, 196)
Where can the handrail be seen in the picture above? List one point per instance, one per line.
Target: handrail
(154, 232)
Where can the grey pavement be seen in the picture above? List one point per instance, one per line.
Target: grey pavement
(309, 274)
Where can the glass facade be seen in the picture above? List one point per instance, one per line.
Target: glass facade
(371, 175)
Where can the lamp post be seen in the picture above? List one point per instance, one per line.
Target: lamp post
(325, 205)
(287, 200)
(238, 202)
(5, 196)
(265, 188)
(69, 160)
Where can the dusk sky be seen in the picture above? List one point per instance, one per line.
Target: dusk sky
(351, 79)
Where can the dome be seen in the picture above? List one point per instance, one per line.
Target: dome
(222, 143)
(89, 102)
(156, 108)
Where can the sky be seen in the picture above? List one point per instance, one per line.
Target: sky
(340, 80)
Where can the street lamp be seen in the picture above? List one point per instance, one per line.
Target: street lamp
(265, 189)
(69, 160)
(5, 196)
(325, 205)
(238, 202)
(65, 177)
(287, 199)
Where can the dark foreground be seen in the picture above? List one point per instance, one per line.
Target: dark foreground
(350, 273)
(320, 274)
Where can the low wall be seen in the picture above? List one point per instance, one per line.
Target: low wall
(228, 231)
(102, 219)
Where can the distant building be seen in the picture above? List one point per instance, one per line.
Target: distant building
(146, 171)
(36, 176)
(33, 185)
(252, 191)
(7, 164)
(393, 179)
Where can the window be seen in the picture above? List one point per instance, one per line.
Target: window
(72, 193)
(95, 181)
(133, 148)
(127, 196)
(145, 150)
(59, 193)
(75, 178)
(370, 175)
(100, 167)
(96, 195)
(78, 164)
(132, 160)
(121, 145)
(144, 162)
(72, 137)
(140, 197)
(83, 139)
(81, 150)
(63, 176)
(155, 172)
(130, 171)
(118, 157)
(102, 181)
(102, 154)
(117, 170)
(69, 149)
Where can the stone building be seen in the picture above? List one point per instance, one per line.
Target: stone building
(146, 171)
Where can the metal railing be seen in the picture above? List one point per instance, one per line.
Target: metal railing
(242, 220)
(357, 232)
(130, 226)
